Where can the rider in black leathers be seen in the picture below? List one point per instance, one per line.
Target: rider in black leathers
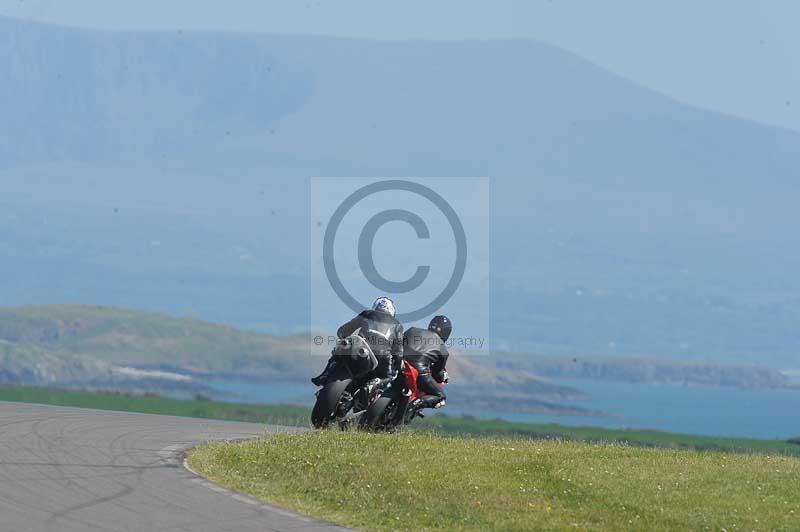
(383, 333)
(427, 352)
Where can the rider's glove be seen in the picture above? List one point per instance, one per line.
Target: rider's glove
(442, 377)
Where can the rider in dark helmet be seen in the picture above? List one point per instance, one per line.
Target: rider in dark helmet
(383, 333)
(427, 352)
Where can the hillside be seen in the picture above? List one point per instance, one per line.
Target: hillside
(148, 341)
(168, 171)
(651, 371)
(116, 349)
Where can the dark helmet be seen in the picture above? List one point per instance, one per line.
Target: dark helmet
(442, 326)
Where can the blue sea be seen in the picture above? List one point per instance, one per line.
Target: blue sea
(766, 414)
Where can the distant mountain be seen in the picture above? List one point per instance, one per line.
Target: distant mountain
(168, 172)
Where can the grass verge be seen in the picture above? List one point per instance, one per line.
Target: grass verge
(155, 404)
(439, 424)
(426, 482)
(468, 426)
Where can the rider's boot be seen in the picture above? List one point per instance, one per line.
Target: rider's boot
(322, 378)
(416, 406)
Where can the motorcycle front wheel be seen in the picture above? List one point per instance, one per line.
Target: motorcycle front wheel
(328, 400)
(381, 414)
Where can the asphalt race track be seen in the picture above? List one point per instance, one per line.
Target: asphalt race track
(65, 469)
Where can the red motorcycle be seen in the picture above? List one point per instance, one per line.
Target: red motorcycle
(388, 410)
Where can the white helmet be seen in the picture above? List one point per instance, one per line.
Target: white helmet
(384, 304)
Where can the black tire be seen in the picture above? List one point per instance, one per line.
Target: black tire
(380, 416)
(328, 400)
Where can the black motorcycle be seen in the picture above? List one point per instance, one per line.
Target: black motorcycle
(348, 388)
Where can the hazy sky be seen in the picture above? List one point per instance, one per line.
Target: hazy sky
(738, 57)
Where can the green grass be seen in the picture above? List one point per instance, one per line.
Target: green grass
(443, 425)
(268, 414)
(426, 482)
(643, 438)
